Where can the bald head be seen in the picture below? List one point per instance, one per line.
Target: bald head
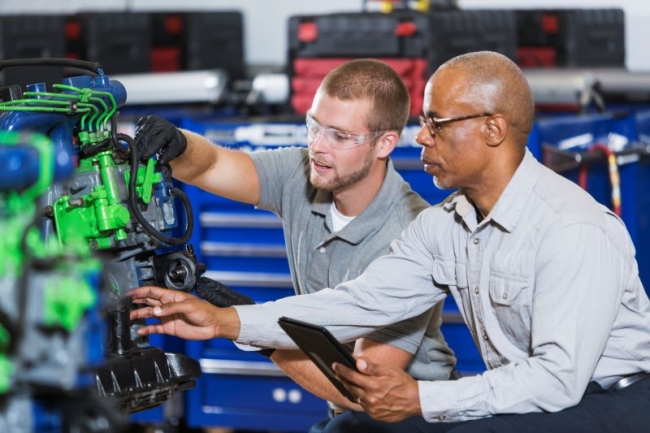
(495, 84)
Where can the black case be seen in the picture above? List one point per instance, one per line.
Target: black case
(322, 348)
(436, 36)
(578, 37)
(214, 40)
(32, 36)
(121, 42)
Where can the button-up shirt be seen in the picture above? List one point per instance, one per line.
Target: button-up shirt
(547, 284)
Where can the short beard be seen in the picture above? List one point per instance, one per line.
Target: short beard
(339, 183)
(439, 184)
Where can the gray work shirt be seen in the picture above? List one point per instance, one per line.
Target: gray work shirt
(319, 258)
(547, 283)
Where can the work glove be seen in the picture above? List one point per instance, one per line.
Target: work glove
(155, 135)
(219, 294)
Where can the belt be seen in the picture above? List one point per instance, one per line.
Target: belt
(333, 413)
(629, 380)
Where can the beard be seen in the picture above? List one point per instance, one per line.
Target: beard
(440, 184)
(341, 182)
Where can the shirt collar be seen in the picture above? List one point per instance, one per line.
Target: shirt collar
(367, 221)
(508, 209)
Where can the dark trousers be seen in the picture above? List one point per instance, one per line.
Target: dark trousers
(600, 411)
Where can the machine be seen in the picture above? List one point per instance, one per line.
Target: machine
(93, 205)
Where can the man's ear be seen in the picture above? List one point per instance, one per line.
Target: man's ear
(496, 130)
(386, 143)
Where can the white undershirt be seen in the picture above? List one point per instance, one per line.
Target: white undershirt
(338, 219)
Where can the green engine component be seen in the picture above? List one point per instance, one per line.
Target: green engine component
(102, 216)
(66, 301)
(16, 209)
(6, 366)
(57, 298)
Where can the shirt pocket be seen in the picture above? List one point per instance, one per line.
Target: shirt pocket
(510, 274)
(506, 288)
(444, 271)
(511, 295)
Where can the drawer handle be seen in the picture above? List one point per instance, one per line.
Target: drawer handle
(255, 279)
(210, 219)
(248, 250)
(248, 368)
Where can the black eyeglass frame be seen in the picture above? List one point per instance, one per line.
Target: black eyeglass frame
(434, 125)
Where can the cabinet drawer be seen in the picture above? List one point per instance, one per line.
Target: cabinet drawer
(251, 395)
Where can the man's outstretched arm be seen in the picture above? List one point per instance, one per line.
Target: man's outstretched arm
(183, 315)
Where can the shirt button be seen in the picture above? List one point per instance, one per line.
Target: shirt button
(476, 241)
(322, 249)
(505, 296)
(441, 418)
(485, 336)
(476, 289)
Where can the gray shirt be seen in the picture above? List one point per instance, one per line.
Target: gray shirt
(547, 283)
(319, 258)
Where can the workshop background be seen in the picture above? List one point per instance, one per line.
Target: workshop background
(243, 73)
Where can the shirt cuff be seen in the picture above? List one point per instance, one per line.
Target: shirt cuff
(246, 317)
(259, 327)
(247, 347)
(439, 401)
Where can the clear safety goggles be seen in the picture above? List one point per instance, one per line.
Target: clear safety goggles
(335, 138)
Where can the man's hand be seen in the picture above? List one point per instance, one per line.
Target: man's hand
(387, 393)
(182, 314)
(155, 135)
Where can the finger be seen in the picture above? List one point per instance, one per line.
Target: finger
(141, 313)
(346, 373)
(372, 369)
(168, 309)
(152, 144)
(158, 293)
(369, 368)
(166, 155)
(172, 149)
(362, 378)
(155, 328)
(144, 292)
(146, 301)
(141, 128)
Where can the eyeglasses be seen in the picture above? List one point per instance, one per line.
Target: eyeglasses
(435, 125)
(335, 138)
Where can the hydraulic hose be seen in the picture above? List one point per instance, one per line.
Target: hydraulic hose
(135, 210)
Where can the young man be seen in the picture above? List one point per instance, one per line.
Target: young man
(544, 275)
(341, 203)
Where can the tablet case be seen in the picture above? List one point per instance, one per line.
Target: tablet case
(322, 348)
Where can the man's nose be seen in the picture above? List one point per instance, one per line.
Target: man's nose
(423, 137)
(319, 141)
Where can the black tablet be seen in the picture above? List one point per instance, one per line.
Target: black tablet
(322, 348)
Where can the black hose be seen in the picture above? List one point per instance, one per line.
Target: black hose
(95, 67)
(135, 210)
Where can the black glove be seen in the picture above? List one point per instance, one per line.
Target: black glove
(219, 294)
(155, 135)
